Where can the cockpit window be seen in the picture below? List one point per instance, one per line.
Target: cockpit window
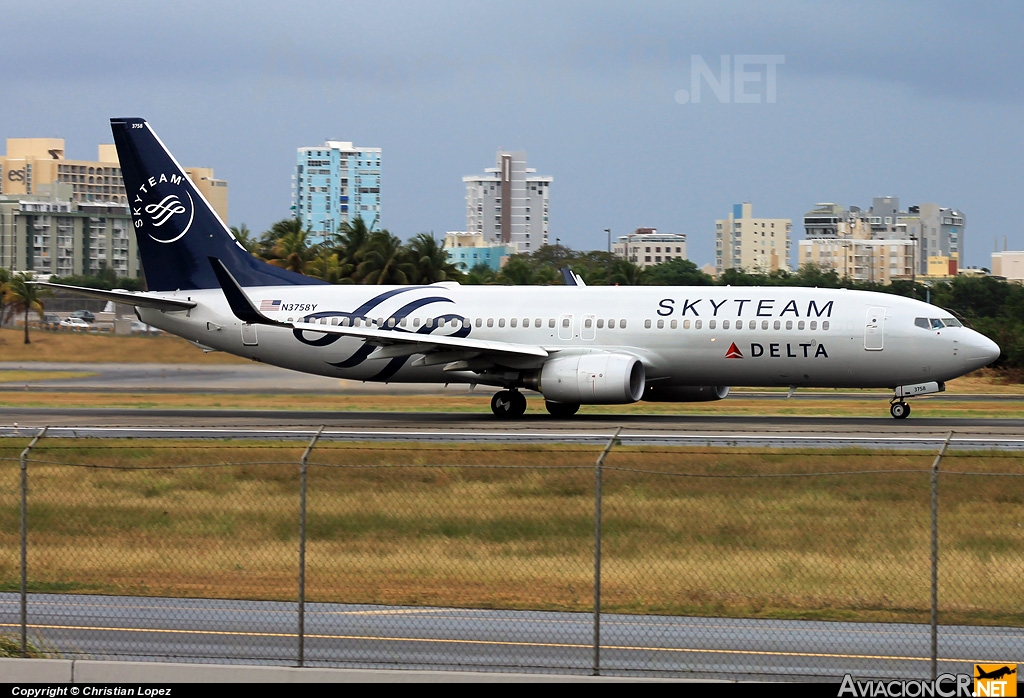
(936, 323)
(922, 322)
(951, 322)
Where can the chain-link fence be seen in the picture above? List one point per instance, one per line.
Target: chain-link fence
(706, 562)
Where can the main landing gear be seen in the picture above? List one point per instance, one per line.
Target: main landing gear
(899, 410)
(508, 404)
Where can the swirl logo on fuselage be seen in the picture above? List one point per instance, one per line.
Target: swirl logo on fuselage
(391, 323)
(168, 214)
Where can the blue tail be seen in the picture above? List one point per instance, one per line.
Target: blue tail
(177, 229)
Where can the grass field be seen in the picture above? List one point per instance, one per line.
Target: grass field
(706, 532)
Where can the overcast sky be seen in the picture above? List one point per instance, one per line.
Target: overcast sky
(838, 102)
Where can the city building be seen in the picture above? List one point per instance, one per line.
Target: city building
(31, 165)
(1009, 265)
(646, 247)
(467, 249)
(752, 244)
(336, 183)
(876, 261)
(507, 205)
(934, 235)
(70, 217)
(50, 234)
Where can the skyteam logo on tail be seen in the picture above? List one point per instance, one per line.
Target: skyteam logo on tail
(164, 206)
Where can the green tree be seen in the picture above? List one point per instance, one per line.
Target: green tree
(21, 295)
(430, 261)
(384, 261)
(676, 272)
(245, 238)
(291, 249)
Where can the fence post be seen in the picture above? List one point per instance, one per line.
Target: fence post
(597, 550)
(935, 554)
(303, 469)
(24, 542)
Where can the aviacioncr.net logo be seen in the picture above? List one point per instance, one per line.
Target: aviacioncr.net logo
(166, 205)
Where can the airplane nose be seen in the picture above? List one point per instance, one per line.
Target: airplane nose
(980, 350)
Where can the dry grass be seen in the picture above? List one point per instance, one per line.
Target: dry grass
(403, 524)
(105, 348)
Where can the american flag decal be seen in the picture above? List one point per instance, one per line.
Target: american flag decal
(269, 305)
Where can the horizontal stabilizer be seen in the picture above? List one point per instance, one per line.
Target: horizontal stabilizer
(139, 299)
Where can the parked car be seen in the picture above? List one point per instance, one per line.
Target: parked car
(50, 321)
(142, 328)
(84, 315)
(74, 323)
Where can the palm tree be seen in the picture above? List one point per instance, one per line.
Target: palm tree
(430, 261)
(19, 293)
(245, 238)
(352, 238)
(329, 267)
(384, 261)
(291, 249)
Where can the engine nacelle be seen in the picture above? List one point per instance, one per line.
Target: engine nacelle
(592, 379)
(684, 393)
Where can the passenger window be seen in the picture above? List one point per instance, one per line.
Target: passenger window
(526, 322)
(416, 322)
(501, 322)
(696, 324)
(588, 323)
(490, 322)
(789, 324)
(600, 324)
(479, 322)
(512, 322)
(686, 324)
(551, 322)
(647, 324)
(675, 324)
(565, 322)
(711, 324)
(800, 325)
(404, 322)
(622, 324)
(814, 324)
(538, 322)
(334, 320)
(824, 325)
(764, 324)
(661, 324)
(778, 324)
(725, 324)
(739, 324)
(465, 323)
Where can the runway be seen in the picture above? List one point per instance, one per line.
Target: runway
(263, 632)
(256, 379)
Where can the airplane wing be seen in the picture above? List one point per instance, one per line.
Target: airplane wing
(141, 299)
(393, 342)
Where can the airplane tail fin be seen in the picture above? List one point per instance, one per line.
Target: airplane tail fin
(176, 228)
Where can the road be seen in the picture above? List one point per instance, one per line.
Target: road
(263, 632)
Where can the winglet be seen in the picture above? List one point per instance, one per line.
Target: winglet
(240, 304)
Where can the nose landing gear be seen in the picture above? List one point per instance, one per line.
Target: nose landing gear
(508, 404)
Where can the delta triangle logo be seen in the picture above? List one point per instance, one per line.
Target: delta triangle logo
(734, 352)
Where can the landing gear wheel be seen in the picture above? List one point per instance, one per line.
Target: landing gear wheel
(561, 409)
(508, 404)
(899, 410)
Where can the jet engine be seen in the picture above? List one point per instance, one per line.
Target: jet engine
(684, 393)
(591, 379)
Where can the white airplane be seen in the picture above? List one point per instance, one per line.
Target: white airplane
(576, 345)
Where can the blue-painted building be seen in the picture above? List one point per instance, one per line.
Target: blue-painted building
(336, 183)
(468, 249)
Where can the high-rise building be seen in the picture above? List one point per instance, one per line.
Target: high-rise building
(64, 217)
(751, 244)
(336, 183)
(934, 235)
(507, 205)
(646, 247)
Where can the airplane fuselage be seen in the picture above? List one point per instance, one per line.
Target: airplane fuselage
(682, 335)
